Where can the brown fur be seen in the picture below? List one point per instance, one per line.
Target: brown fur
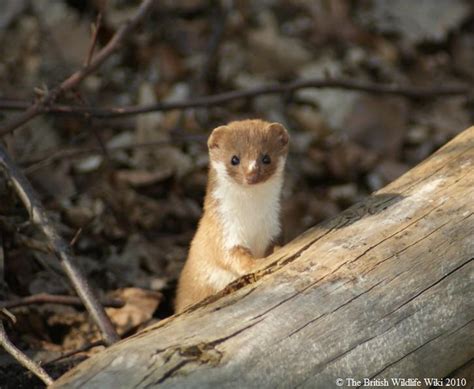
(250, 141)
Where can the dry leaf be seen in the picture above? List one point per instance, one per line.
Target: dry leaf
(140, 304)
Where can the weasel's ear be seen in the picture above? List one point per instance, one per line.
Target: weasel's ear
(279, 131)
(215, 137)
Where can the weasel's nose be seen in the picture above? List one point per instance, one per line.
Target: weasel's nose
(253, 173)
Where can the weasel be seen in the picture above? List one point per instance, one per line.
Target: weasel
(241, 218)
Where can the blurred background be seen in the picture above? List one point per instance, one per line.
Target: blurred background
(128, 190)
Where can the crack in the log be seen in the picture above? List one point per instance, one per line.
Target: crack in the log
(460, 328)
(420, 347)
(277, 305)
(415, 265)
(459, 369)
(272, 268)
(334, 310)
(203, 353)
(166, 358)
(238, 332)
(461, 178)
(231, 302)
(402, 318)
(168, 374)
(395, 233)
(408, 247)
(428, 287)
(145, 378)
(414, 184)
(414, 243)
(326, 313)
(310, 285)
(326, 363)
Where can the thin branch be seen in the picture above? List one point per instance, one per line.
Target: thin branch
(95, 33)
(95, 133)
(57, 245)
(225, 97)
(74, 352)
(36, 163)
(9, 347)
(31, 243)
(14, 104)
(72, 81)
(22, 358)
(46, 298)
(5, 314)
(75, 237)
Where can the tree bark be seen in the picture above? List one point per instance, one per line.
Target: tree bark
(383, 291)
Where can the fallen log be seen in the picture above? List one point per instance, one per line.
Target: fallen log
(383, 291)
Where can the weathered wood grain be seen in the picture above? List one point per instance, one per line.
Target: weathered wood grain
(385, 290)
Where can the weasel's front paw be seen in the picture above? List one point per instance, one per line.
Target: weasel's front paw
(245, 262)
(242, 251)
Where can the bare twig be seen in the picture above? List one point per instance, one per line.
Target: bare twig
(95, 33)
(75, 237)
(36, 163)
(57, 245)
(14, 104)
(9, 347)
(94, 131)
(5, 314)
(74, 352)
(31, 243)
(72, 81)
(225, 97)
(45, 298)
(22, 358)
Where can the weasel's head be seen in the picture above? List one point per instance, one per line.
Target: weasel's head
(249, 152)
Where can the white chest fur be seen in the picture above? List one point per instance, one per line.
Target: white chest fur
(249, 215)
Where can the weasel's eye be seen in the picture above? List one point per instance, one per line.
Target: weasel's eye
(235, 160)
(266, 159)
